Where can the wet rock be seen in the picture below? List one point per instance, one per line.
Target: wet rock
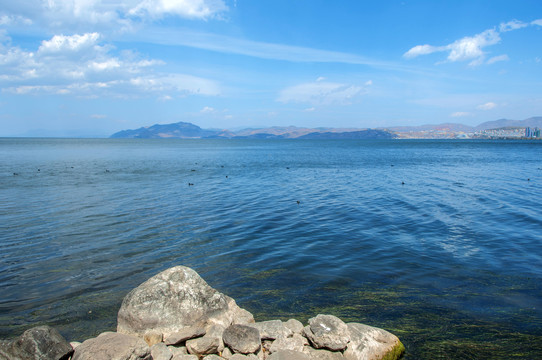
(370, 343)
(175, 299)
(39, 343)
(113, 346)
(327, 331)
(242, 339)
(273, 329)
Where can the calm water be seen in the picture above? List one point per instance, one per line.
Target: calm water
(450, 261)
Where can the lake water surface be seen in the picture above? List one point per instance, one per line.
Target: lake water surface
(439, 242)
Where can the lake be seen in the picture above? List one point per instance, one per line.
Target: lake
(437, 241)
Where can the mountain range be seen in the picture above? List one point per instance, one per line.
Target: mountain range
(184, 130)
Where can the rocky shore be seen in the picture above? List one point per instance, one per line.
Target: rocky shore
(176, 315)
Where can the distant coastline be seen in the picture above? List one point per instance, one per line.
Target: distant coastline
(499, 130)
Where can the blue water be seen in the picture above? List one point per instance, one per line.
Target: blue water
(437, 241)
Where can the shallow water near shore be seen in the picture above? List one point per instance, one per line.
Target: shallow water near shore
(438, 242)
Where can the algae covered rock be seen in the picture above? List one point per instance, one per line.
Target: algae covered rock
(371, 343)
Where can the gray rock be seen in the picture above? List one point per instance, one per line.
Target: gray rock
(185, 357)
(74, 344)
(296, 343)
(39, 343)
(160, 351)
(288, 355)
(242, 339)
(322, 354)
(152, 337)
(243, 357)
(113, 346)
(184, 334)
(178, 350)
(226, 353)
(213, 357)
(295, 325)
(271, 330)
(327, 331)
(370, 343)
(203, 346)
(175, 299)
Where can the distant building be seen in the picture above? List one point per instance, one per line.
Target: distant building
(530, 133)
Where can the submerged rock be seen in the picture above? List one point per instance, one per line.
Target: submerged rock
(175, 299)
(38, 343)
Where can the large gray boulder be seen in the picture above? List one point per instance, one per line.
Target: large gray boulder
(113, 346)
(370, 343)
(38, 343)
(288, 355)
(328, 332)
(173, 300)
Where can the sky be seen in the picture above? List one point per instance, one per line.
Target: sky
(94, 67)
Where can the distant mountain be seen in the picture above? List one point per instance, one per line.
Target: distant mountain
(454, 127)
(180, 130)
(451, 127)
(496, 124)
(363, 134)
(184, 130)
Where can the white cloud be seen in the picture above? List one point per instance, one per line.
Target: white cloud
(422, 50)
(321, 78)
(467, 48)
(460, 114)
(512, 25)
(207, 110)
(321, 93)
(369, 83)
(80, 65)
(487, 106)
(191, 9)
(311, 109)
(497, 59)
(471, 47)
(61, 43)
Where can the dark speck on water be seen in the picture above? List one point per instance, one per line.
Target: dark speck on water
(454, 271)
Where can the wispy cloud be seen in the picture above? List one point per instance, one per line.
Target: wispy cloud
(471, 47)
(263, 50)
(512, 25)
(460, 114)
(487, 106)
(192, 9)
(321, 93)
(467, 48)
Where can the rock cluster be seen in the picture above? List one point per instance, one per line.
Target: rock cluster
(176, 315)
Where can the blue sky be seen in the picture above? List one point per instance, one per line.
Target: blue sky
(94, 67)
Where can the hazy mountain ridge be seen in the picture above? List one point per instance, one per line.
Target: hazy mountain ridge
(184, 130)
